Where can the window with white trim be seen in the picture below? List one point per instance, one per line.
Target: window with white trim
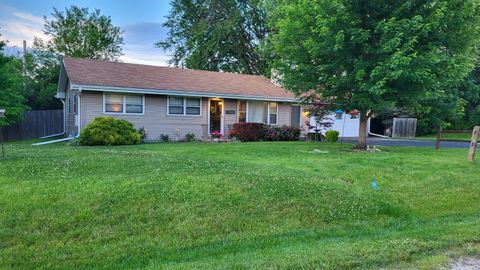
(272, 113)
(73, 104)
(126, 104)
(184, 106)
(242, 111)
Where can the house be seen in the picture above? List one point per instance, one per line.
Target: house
(171, 101)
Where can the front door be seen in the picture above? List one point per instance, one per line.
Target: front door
(216, 109)
(295, 116)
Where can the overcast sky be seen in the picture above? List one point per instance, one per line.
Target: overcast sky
(140, 20)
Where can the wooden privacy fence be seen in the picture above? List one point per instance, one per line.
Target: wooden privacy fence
(35, 124)
(404, 127)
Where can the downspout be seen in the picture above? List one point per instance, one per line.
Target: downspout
(79, 112)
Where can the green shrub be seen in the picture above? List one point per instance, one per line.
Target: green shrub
(331, 135)
(107, 130)
(164, 138)
(143, 134)
(190, 137)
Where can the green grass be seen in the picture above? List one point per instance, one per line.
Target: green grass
(449, 136)
(224, 206)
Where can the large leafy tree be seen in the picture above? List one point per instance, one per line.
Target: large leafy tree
(77, 32)
(217, 35)
(11, 97)
(469, 90)
(373, 55)
(42, 66)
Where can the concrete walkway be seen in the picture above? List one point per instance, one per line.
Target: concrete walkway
(412, 143)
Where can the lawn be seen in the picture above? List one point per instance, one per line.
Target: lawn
(291, 205)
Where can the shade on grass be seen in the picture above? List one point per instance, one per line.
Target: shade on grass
(248, 205)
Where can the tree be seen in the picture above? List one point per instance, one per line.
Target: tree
(43, 68)
(439, 109)
(218, 35)
(79, 33)
(11, 97)
(469, 91)
(372, 55)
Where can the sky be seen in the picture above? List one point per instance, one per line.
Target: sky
(141, 21)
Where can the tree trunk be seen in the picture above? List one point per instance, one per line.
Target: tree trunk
(362, 134)
(439, 137)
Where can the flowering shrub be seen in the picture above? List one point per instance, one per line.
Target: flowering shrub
(285, 133)
(248, 132)
(216, 134)
(106, 130)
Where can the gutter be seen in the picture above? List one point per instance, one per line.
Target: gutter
(81, 88)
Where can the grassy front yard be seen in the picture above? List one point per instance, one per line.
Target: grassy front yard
(248, 205)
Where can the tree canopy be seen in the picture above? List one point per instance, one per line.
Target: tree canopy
(11, 97)
(373, 55)
(77, 32)
(217, 35)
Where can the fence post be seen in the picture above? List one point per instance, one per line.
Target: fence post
(473, 143)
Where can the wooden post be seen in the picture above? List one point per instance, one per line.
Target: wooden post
(438, 138)
(473, 143)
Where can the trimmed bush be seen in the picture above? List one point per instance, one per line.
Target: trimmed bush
(107, 130)
(190, 137)
(332, 135)
(164, 138)
(285, 133)
(248, 132)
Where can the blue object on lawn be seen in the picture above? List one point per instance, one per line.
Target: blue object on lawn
(374, 184)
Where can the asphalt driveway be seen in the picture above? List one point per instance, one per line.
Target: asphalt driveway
(412, 143)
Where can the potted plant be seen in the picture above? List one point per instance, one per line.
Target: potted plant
(216, 135)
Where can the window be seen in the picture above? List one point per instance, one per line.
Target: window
(73, 104)
(130, 104)
(272, 113)
(70, 104)
(242, 111)
(256, 111)
(175, 105)
(184, 106)
(192, 106)
(133, 104)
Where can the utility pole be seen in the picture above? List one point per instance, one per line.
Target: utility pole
(24, 66)
(2, 115)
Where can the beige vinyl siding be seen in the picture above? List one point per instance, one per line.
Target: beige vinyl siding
(154, 119)
(230, 119)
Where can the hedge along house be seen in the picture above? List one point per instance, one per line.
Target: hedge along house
(171, 101)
